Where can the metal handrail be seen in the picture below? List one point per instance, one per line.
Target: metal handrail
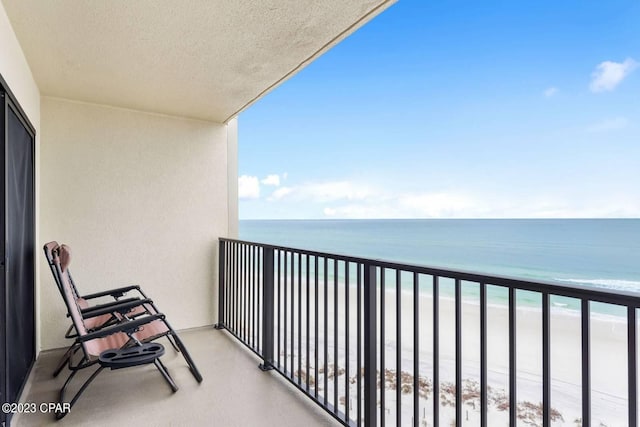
(259, 304)
(604, 295)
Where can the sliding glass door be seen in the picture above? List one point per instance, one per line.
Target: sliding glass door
(17, 249)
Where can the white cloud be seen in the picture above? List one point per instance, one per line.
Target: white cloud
(337, 190)
(353, 200)
(609, 74)
(325, 191)
(452, 205)
(280, 193)
(248, 187)
(436, 205)
(348, 199)
(364, 211)
(330, 211)
(550, 91)
(271, 180)
(616, 123)
(602, 206)
(381, 204)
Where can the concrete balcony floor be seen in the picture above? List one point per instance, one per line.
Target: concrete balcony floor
(234, 392)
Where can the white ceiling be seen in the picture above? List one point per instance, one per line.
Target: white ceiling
(206, 59)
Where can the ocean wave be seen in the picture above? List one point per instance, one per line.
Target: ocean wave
(616, 284)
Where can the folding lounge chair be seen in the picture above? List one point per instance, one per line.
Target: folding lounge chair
(114, 346)
(99, 315)
(122, 311)
(84, 300)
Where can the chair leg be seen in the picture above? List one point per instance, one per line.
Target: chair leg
(60, 415)
(64, 359)
(187, 357)
(165, 373)
(70, 333)
(66, 383)
(173, 344)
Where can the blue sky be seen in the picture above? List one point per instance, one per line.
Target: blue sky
(450, 109)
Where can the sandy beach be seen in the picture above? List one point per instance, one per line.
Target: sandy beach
(608, 352)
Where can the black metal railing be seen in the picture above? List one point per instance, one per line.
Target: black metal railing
(363, 338)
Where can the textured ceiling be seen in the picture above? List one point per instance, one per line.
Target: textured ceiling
(206, 59)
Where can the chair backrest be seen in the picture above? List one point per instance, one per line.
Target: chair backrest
(48, 253)
(60, 260)
(49, 249)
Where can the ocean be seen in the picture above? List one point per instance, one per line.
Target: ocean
(592, 252)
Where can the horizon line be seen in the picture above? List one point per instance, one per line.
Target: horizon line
(440, 219)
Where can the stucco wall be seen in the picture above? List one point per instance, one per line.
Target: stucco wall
(16, 72)
(141, 199)
(232, 177)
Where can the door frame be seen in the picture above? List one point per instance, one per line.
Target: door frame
(8, 101)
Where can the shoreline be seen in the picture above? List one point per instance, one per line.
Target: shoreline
(608, 354)
(556, 307)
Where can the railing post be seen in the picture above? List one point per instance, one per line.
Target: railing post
(632, 361)
(546, 360)
(267, 309)
(370, 338)
(586, 363)
(221, 283)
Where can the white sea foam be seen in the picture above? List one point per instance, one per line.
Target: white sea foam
(615, 284)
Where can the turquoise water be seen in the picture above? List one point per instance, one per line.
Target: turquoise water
(592, 252)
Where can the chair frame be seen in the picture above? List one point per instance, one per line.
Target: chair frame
(120, 322)
(114, 307)
(126, 326)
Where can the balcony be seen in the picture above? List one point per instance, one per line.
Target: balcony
(124, 118)
(456, 348)
(234, 391)
(317, 322)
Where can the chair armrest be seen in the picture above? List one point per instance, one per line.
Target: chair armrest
(85, 312)
(122, 308)
(120, 327)
(116, 293)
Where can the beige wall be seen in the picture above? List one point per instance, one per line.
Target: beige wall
(16, 72)
(141, 199)
(232, 176)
